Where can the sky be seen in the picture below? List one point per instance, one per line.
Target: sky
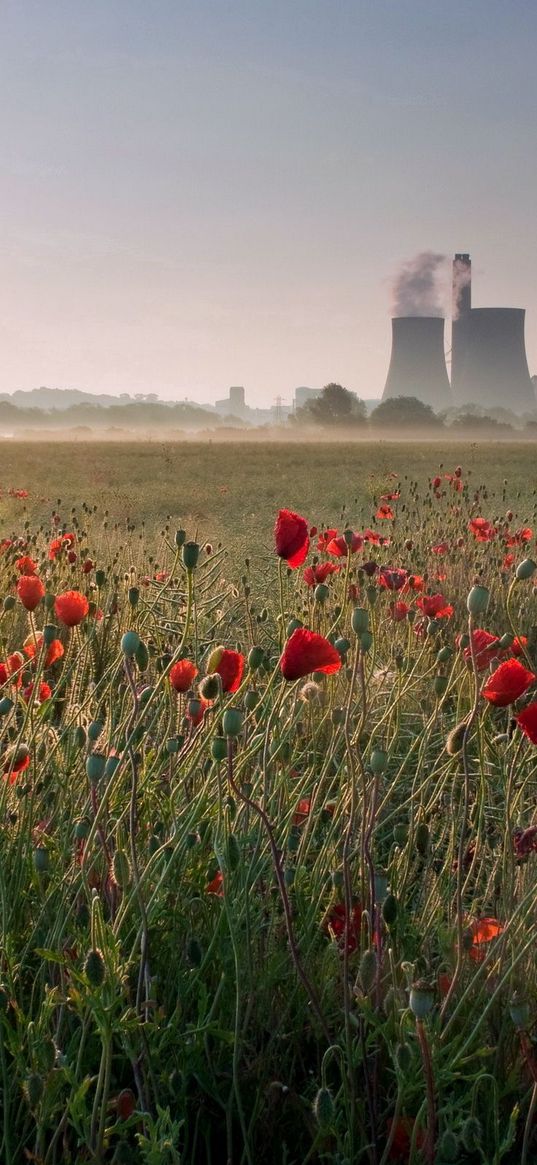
(200, 193)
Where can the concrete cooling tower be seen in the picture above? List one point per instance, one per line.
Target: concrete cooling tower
(418, 365)
(489, 360)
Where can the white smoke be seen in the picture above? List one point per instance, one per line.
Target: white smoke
(419, 287)
(462, 274)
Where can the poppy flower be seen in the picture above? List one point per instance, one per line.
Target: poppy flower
(345, 930)
(510, 680)
(291, 537)
(71, 607)
(525, 841)
(44, 691)
(58, 544)
(370, 568)
(14, 665)
(182, 675)
(340, 548)
(527, 721)
(373, 538)
(519, 537)
(399, 611)
(403, 1133)
(30, 590)
(391, 497)
(435, 606)
(319, 573)
(440, 548)
(481, 932)
(484, 648)
(508, 561)
(216, 886)
(324, 538)
(16, 762)
(26, 565)
(385, 512)
(436, 482)
(55, 650)
(88, 566)
(125, 1104)
(301, 812)
(230, 666)
(307, 652)
(482, 530)
(394, 578)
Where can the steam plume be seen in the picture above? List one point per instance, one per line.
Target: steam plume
(418, 288)
(462, 275)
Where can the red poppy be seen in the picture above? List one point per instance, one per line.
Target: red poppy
(216, 886)
(484, 648)
(292, 538)
(58, 544)
(440, 548)
(519, 537)
(319, 573)
(391, 497)
(301, 812)
(55, 650)
(510, 680)
(125, 1104)
(14, 665)
(508, 561)
(182, 675)
(26, 565)
(525, 841)
(346, 931)
(435, 606)
(373, 538)
(197, 717)
(436, 482)
(403, 1132)
(230, 667)
(482, 530)
(30, 590)
(395, 578)
(385, 512)
(325, 538)
(307, 652)
(87, 566)
(519, 643)
(340, 548)
(399, 611)
(481, 932)
(3, 674)
(527, 721)
(44, 691)
(16, 762)
(71, 607)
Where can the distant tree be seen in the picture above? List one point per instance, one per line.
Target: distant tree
(480, 426)
(335, 406)
(404, 411)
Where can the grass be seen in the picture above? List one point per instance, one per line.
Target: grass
(295, 924)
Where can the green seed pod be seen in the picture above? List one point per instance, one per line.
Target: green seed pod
(82, 828)
(321, 593)
(233, 853)
(41, 860)
(172, 745)
(478, 600)
(190, 554)
(389, 909)
(180, 538)
(251, 699)
(289, 875)
(210, 687)
(464, 641)
(142, 656)
(255, 658)
(448, 1147)
(324, 1110)
(400, 834)
(360, 620)
(50, 633)
(421, 999)
(143, 699)
(100, 578)
(191, 840)
(455, 739)
(5, 705)
(404, 1058)
(440, 686)
(366, 640)
(444, 654)
(121, 869)
(378, 761)
(95, 766)
(371, 594)
(337, 879)
(95, 968)
(134, 596)
(525, 569)
(9, 602)
(422, 838)
(34, 1087)
(80, 736)
(232, 722)
(130, 643)
(342, 646)
(95, 729)
(293, 625)
(231, 807)
(368, 970)
(219, 748)
(194, 952)
(112, 763)
(472, 1134)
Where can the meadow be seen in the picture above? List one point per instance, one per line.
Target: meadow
(268, 835)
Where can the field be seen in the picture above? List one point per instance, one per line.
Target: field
(267, 819)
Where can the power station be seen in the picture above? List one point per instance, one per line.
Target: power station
(488, 354)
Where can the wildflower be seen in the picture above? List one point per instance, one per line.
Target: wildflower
(30, 590)
(26, 565)
(15, 762)
(292, 538)
(510, 680)
(345, 930)
(385, 512)
(481, 932)
(435, 606)
(65, 542)
(325, 538)
(88, 566)
(216, 886)
(301, 812)
(341, 548)
(391, 497)
(481, 529)
(319, 573)
(483, 644)
(71, 607)
(307, 652)
(525, 841)
(399, 611)
(403, 1133)
(44, 691)
(394, 578)
(229, 665)
(527, 721)
(182, 675)
(440, 548)
(55, 650)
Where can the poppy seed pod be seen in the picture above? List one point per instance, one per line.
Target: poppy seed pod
(251, 699)
(232, 722)
(134, 595)
(95, 729)
(321, 593)
(519, 1011)
(5, 705)
(9, 602)
(255, 658)
(372, 595)
(190, 554)
(421, 999)
(478, 600)
(142, 656)
(448, 1147)
(360, 620)
(49, 600)
(342, 646)
(100, 578)
(366, 640)
(111, 765)
(525, 569)
(180, 538)
(219, 748)
(95, 766)
(41, 860)
(378, 761)
(444, 654)
(130, 643)
(293, 625)
(440, 685)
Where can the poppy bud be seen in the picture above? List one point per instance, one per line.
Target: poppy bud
(421, 999)
(251, 699)
(95, 766)
(389, 909)
(324, 1110)
(190, 555)
(464, 641)
(82, 828)
(378, 761)
(478, 600)
(338, 716)
(121, 869)
(5, 705)
(293, 625)
(134, 595)
(80, 736)
(49, 600)
(34, 1088)
(232, 722)
(95, 729)
(255, 658)
(440, 685)
(422, 838)
(142, 656)
(219, 748)
(9, 602)
(180, 538)
(525, 569)
(472, 1134)
(100, 578)
(372, 595)
(448, 1147)
(321, 593)
(130, 643)
(519, 1011)
(366, 640)
(455, 738)
(444, 654)
(111, 765)
(210, 687)
(95, 968)
(400, 834)
(41, 860)
(368, 970)
(342, 646)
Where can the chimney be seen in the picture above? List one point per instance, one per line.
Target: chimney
(495, 370)
(418, 364)
(461, 307)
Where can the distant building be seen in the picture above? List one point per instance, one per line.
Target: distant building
(303, 395)
(234, 405)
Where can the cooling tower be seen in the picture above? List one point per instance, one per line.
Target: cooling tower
(494, 369)
(418, 365)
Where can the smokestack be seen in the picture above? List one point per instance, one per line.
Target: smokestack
(461, 306)
(494, 371)
(418, 365)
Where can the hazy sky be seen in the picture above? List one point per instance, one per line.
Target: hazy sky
(215, 192)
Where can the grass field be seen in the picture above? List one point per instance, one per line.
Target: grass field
(268, 837)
